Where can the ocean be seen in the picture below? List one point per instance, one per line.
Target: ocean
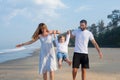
(16, 53)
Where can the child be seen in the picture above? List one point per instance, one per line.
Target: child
(62, 49)
(47, 62)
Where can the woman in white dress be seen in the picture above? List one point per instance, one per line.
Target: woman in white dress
(47, 61)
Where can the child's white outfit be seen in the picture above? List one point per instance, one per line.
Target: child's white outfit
(62, 48)
(47, 55)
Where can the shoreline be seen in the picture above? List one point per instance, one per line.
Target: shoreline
(19, 69)
(23, 57)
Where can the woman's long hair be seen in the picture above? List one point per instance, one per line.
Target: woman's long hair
(38, 31)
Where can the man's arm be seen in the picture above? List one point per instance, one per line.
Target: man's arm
(97, 47)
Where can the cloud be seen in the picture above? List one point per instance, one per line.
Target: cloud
(51, 3)
(16, 12)
(31, 9)
(83, 8)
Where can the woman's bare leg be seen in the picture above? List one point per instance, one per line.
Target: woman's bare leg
(51, 75)
(45, 76)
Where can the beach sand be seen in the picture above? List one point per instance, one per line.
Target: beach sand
(107, 68)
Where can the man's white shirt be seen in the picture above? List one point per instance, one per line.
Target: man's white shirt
(81, 40)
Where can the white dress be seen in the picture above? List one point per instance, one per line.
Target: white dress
(47, 55)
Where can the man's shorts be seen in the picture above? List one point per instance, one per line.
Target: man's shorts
(62, 56)
(80, 59)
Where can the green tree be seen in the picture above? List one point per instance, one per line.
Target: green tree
(115, 18)
(93, 29)
(101, 26)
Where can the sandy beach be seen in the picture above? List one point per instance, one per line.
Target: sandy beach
(107, 68)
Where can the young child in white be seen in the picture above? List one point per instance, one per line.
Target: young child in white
(62, 49)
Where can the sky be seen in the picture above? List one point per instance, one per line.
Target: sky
(20, 18)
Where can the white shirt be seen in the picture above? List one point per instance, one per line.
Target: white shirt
(63, 47)
(81, 40)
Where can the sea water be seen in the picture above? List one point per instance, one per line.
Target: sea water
(15, 53)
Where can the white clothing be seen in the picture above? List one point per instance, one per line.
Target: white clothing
(81, 40)
(47, 55)
(63, 47)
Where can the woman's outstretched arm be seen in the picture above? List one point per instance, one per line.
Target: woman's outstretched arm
(26, 43)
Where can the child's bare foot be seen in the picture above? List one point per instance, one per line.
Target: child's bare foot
(60, 66)
(69, 63)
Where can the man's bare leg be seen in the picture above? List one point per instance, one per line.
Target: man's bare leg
(83, 73)
(74, 73)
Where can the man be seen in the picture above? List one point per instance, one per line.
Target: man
(82, 37)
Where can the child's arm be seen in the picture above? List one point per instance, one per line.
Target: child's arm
(67, 37)
(26, 43)
(71, 35)
(54, 34)
(55, 37)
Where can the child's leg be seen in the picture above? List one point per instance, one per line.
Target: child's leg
(68, 61)
(60, 63)
(59, 56)
(65, 57)
(51, 75)
(45, 76)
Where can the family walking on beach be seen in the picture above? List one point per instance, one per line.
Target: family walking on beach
(47, 60)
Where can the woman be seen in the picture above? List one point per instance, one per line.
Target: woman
(47, 61)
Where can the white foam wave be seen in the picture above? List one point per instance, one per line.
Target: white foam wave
(12, 50)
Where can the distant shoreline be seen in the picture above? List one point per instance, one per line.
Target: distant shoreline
(27, 54)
